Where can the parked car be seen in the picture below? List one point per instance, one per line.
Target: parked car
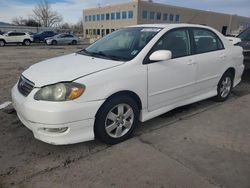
(40, 37)
(131, 75)
(62, 39)
(15, 38)
(245, 44)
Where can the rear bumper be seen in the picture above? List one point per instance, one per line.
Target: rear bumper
(247, 59)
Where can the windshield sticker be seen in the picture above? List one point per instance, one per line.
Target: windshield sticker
(150, 30)
(134, 52)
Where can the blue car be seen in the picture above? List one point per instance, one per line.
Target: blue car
(40, 37)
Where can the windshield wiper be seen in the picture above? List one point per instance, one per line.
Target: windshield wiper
(100, 54)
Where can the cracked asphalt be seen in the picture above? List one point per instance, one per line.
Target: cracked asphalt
(205, 144)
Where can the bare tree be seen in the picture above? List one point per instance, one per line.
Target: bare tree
(45, 15)
(18, 20)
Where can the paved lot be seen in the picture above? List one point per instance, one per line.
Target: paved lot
(201, 145)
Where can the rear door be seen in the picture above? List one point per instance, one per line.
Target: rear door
(20, 36)
(210, 57)
(171, 81)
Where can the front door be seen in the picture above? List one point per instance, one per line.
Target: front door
(171, 81)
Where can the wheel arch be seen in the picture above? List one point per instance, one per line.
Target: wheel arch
(3, 40)
(230, 70)
(129, 93)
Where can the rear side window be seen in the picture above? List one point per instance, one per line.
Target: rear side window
(206, 41)
(177, 41)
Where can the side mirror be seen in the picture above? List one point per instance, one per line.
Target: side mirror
(161, 55)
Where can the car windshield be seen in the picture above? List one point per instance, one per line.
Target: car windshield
(123, 44)
(245, 35)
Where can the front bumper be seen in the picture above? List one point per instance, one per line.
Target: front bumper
(48, 42)
(40, 116)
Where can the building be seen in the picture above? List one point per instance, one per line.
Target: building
(103, 20)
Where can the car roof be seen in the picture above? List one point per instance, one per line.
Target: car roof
(170, 26)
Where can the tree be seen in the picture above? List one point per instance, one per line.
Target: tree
(45, 15)
(32, 23)
(18, 21)
(25, 22)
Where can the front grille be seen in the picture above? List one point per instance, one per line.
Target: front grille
(25, 86)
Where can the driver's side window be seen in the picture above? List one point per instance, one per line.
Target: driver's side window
(177, 41)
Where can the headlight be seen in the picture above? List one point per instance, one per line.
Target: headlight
(60, 92)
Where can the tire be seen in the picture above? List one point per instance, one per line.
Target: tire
(36, 40)
(26, 42)
(111, 126)
(54, 42)
(74, 42)
(224, 87)
(2, 43)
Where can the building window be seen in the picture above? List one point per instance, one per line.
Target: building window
(103, 32)
(98, 32)
(158, 16)
(98, 17)
(94, 16)
(177, 18)
(107, 31)
(152, 15)
(145, 14)
(124, 15)
(94, 31)
(87, 31)
(171, 17)
(90, 18)
(165, 16)
(102, 16)
(118, 15)
(112, 16)
(86, 18)
(107, 16)
(130, 14)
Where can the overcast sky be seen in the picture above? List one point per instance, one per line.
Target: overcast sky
(71, 10)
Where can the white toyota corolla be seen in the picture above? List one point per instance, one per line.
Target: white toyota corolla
(131, 75)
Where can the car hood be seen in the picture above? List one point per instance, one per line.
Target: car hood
(66, 68)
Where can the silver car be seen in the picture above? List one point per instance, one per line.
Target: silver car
(62, 39)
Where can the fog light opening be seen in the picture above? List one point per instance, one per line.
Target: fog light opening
(55, 130)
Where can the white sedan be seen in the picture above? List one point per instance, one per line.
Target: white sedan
(131, 75)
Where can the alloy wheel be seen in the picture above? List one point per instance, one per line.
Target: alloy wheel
(225, 87)
(119, 120)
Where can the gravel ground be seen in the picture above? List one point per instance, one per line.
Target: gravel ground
(205, 144)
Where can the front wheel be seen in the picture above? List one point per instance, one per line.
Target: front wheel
(116, 120)
(2, 43)
(74, 42)
(54, 42)
(224, 87)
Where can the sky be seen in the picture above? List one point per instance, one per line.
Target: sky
(71, 10)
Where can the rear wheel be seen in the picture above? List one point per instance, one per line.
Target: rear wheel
(2, 43)
(224, 87)
(26, 42)
(116, 120)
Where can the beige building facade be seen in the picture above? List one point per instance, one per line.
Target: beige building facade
(101, 21)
